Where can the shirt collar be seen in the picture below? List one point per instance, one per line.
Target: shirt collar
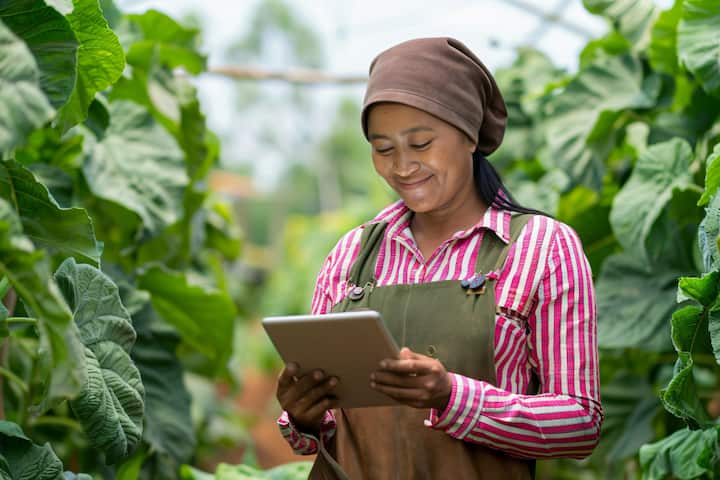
(398, 215)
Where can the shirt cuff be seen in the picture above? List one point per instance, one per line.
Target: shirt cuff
(305, 443)
(463, 409)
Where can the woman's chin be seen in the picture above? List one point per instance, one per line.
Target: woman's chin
(417, 205)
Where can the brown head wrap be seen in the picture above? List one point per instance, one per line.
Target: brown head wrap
(440, 76)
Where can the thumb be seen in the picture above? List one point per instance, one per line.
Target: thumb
(406, 354)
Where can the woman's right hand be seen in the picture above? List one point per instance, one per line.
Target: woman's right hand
(305, 398)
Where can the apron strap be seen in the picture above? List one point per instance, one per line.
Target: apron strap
(337, 470)
(363, 270)
(494, 252)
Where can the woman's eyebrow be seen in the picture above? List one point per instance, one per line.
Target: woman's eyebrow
(374, 136)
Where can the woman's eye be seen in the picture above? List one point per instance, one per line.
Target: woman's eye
(383, 151)
(422, 146)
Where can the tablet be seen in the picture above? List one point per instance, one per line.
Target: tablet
(348, 345)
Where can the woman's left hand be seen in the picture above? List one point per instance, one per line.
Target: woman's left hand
(413, 379)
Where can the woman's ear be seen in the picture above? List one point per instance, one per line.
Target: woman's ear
(472, 146)
(469, 143)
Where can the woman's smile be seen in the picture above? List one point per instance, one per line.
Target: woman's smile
(411, 185)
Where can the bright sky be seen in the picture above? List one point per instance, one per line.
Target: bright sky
(354, 31)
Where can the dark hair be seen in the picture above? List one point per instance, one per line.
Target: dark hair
(491, 189)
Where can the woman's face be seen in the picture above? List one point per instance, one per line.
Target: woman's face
(427, 161)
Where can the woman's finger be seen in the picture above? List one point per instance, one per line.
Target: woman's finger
(400, 394)
(296, 390)
(401, 380)
(316, 393)
(285, 379)
(418, 367)
(318, 409)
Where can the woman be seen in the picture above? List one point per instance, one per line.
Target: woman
(493, 302)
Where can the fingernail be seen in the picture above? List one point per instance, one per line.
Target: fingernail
(333, 381)
(383, 364)
(372, 384)
(318, 376)
(372, 376)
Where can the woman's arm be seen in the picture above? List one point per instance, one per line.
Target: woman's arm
(331, 280)
(564, 419)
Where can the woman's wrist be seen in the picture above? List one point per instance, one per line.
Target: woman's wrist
(307, 429)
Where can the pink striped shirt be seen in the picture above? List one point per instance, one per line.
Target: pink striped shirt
(547, 325)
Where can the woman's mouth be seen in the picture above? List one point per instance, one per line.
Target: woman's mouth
(414, 184)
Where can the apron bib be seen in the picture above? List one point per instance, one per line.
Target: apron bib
(440, 319)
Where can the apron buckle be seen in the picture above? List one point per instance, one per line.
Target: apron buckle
(357, 292)
(475, 285)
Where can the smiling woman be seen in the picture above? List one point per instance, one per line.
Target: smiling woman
(493, 302)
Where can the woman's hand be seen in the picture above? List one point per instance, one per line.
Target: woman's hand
(305, 398)
(414, 380)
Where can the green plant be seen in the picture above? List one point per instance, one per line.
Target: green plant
(109, 242)
(625, 152)
(289, 471)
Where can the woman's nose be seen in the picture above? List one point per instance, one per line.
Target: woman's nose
(405, 164)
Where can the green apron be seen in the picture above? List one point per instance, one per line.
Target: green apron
(439, 319)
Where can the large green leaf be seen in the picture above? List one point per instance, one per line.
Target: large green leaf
(168, 424)
(204, 317)
(100, 60)
(174, 103)
(138, 165)
(580, 119)
(24, 105)
(62, 231)
(636, 208)
(698, 46)
(663, 43)
(28, 271)
(51, 40)
(632, 18)
(544, 194)
(20, 459)
(612, 43)
(712, 176)
(708, 234)
(288, 471)
(714, 330)
(690, 335)
(686, 454)
(165, 41)
(690, 118)
(703, 290)
(635, 304)
(110, 405)
(588, 212)
(521, 83)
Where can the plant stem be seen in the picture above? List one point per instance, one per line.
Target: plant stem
(18, 320)
(4, 372)
(57, 421)
(9, 299)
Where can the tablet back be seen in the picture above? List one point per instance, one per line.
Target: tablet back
(348, 345)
